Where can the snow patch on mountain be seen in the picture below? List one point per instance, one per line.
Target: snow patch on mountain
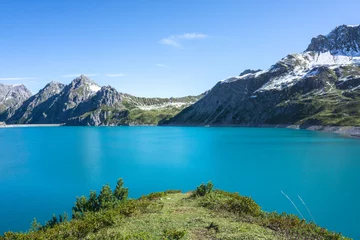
(245, 76)
(162, 106)
(94, 88)
(305, 63)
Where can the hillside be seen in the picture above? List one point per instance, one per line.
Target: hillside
(202, 214)
(320, 86)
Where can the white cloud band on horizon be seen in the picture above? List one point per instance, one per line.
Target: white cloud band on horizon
(16, 78)
(174, 40)
(115, 75)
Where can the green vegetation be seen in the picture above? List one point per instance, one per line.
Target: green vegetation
(333, 109)
(137, 111)
(153, 116)
(203, 214)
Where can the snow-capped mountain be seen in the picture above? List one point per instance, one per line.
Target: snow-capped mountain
(318, 86)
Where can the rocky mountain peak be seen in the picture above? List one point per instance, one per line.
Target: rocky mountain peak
(81, 80)
(52, 88)
(343, 40)
(84, 81)
(247, 71)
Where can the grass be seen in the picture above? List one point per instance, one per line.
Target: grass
(152, 117)
(174, 215)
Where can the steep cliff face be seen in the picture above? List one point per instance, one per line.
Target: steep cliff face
(319, 86)
(11, 97)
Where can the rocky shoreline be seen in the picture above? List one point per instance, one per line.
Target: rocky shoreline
(29, 125)
(347, 131)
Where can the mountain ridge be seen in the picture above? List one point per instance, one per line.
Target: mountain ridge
(318, 87)
(84, 102)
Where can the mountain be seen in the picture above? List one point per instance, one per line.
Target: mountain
(83, 102)
(11, 97)
(320, 86)
(37, 104)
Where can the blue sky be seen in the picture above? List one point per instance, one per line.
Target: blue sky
(156, 48)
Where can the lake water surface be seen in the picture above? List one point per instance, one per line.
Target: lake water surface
(42, 170)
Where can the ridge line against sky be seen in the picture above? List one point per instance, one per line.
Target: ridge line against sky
(159, 48)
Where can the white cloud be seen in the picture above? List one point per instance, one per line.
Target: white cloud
(171, 42)
(192, 36)
(16, 78)
(115, 75)
(174, 40)
(162, 65)
(77, 75)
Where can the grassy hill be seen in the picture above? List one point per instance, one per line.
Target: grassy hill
(202, 214)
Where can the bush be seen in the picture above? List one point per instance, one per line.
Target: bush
(139, 206)
(172, 191)
(203, 189)
(154, 196)
(120, 192)
(173, 234)
(106, 199)
(292, 226)
(220, 200)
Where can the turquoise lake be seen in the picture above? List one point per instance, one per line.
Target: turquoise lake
(43, 169)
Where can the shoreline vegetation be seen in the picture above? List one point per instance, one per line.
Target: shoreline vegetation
(205, 213)
(346, 131)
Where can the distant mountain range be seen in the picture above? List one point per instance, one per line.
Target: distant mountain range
(83, 102)
(320, 86)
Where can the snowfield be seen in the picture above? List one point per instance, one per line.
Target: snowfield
(301, 65)
(161, 106)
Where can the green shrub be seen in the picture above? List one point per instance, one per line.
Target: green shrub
(172, 191)
(120, 192)
(106, 199)
(219, 200)
(121, 236)
(133, 207)
(293, 227)
(154, 196)
(203, 189)
(137, 236)
(173, 234)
